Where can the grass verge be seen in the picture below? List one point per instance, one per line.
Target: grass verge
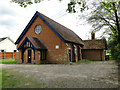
(18, 80)
(0, 79)
(7, 80)
(84, 61)
(8, 61)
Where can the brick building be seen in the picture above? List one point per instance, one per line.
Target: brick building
(94, 49)
(46, 41)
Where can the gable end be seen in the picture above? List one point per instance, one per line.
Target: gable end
(30, 23)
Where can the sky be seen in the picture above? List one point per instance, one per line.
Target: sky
(13, 18)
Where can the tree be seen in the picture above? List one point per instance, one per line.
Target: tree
(104, 14)
(25, 3)
(114, 47)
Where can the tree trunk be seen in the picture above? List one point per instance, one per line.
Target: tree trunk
(117, 23)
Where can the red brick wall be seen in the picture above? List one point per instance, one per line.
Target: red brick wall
(37, 57)
(72, 53)
(50, 39)
(75, 58)
(93, 54)
(25, 56)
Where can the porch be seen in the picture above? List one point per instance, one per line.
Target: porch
(32, 50)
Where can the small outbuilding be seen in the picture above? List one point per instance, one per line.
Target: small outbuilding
(94, 49)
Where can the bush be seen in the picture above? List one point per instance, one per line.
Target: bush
(114, 46)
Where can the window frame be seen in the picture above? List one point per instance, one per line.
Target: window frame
(37, 29)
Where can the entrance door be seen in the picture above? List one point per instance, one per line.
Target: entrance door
(70, 55)
(29, 56)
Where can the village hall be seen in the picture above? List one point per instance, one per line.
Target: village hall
(45, 41)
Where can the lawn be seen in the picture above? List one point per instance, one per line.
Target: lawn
(15, 80)
(8, 61)
(0, 79)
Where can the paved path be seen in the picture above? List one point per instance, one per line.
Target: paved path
(93, 75)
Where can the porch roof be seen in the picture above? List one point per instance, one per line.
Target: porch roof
(35, 42)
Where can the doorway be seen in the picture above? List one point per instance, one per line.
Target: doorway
(70, 55)
(29, 56)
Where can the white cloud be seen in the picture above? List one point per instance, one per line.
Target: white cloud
(15, 18)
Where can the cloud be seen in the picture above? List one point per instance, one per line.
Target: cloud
(7, 11)
(7, 23)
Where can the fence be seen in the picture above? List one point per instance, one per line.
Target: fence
(7, 55)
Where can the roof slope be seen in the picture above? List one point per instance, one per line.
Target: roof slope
(35, 42)
(1, 39)
(64, 33)
(95, 44)
(38, 44)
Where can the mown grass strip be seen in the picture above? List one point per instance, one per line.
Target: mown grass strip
(8, 61)
(84, 61)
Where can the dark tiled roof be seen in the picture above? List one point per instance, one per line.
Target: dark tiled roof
(37, 43)
(95, 44)
(1, 39)
(64, 32)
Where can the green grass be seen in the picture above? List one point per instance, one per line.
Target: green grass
(85, 61)
(0, 79)
(7, 80)
(18, 80)
(8, 61)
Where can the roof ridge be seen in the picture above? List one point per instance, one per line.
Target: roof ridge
(64, 33)
(55, 21)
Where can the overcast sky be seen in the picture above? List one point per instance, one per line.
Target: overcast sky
(13, 18)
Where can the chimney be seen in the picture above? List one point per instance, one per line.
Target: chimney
(93, 36)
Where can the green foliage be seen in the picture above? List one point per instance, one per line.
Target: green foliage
(8, 61)
(1, 79)
(114, 46)
(22, 3)
(25, 3)
(105, 16)
(84, 61)
(72, 5)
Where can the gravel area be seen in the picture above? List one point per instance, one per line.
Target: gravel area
(100, 74)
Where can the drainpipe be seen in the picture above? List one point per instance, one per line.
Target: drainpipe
(4, 55)
(13, 55)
